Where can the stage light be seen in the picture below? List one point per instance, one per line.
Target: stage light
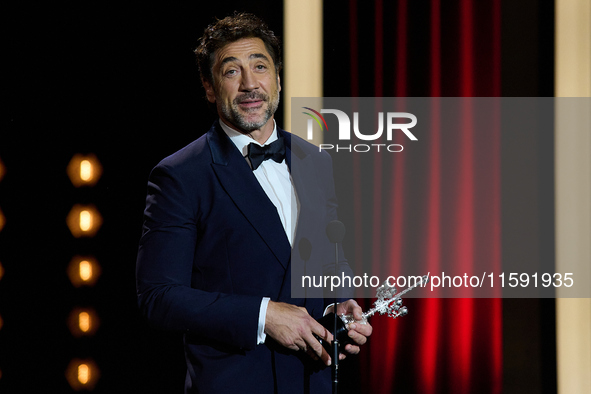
(2, 170)
(84, 220)
(84, 170)
(86, 174)
(83, 322)
(83, 271)
(2, 220)
(1, 322)
(1, 271)
(82, 374)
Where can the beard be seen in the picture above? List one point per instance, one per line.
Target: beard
(233, 112)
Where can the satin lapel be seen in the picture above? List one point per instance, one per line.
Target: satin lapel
(303, 176)
(239, 182)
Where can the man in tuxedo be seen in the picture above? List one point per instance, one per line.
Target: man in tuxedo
(222, 217)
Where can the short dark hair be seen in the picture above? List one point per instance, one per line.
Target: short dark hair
(231, 29)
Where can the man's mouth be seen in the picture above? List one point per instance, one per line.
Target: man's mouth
(250, 103)
(253, 101)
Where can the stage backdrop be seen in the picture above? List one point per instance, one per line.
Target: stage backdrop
(434, 210)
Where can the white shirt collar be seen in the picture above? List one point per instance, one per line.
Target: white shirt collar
(242, 140)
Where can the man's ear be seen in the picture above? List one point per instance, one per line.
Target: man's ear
(278, 84)
(208, 91)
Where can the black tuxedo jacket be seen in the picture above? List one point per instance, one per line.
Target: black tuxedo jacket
(213, 245)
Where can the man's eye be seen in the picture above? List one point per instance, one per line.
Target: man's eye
(230, 72)
(261, 67)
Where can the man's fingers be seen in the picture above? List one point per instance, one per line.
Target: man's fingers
(316, 350)
(300, 344)
(357, 338)
(295, 329)
(351, 307)
(312, 355)
(355, 309)
(352, 349)
(358, 332)
(321, 332)
(363, 329)
(358, 313)
(316, 347)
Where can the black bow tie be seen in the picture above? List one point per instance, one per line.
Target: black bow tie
(257, 154)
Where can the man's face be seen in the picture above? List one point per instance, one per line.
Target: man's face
(246, 87)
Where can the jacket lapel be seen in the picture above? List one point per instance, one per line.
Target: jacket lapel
(303, 178)
(239, 182)
(312, 210)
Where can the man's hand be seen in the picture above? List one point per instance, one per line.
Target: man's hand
(292, 327)
(357, 332)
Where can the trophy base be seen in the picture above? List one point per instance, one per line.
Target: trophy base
(328, 323)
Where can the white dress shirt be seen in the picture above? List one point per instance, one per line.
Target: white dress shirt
(276, 181)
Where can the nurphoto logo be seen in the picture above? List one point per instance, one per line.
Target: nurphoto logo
(393, 125)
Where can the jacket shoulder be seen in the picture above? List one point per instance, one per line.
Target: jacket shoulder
(191, 154)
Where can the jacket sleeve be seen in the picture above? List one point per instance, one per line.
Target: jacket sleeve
(165, 265)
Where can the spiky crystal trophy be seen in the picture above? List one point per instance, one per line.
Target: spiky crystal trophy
(389, 302)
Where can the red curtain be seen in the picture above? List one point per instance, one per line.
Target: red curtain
(433, 49)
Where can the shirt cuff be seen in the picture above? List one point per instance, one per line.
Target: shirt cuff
(262, 316)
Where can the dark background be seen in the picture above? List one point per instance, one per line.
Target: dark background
(118, 80)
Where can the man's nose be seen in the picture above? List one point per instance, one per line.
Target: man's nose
(249, 80)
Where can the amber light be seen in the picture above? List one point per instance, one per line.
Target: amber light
(84, 271)
(84, 220)
(1, 271)
(2, 220)
(2, 170)
(84, 170)
(82, 374)
(83, 322)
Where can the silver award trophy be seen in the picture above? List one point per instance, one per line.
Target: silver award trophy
(388, 302)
